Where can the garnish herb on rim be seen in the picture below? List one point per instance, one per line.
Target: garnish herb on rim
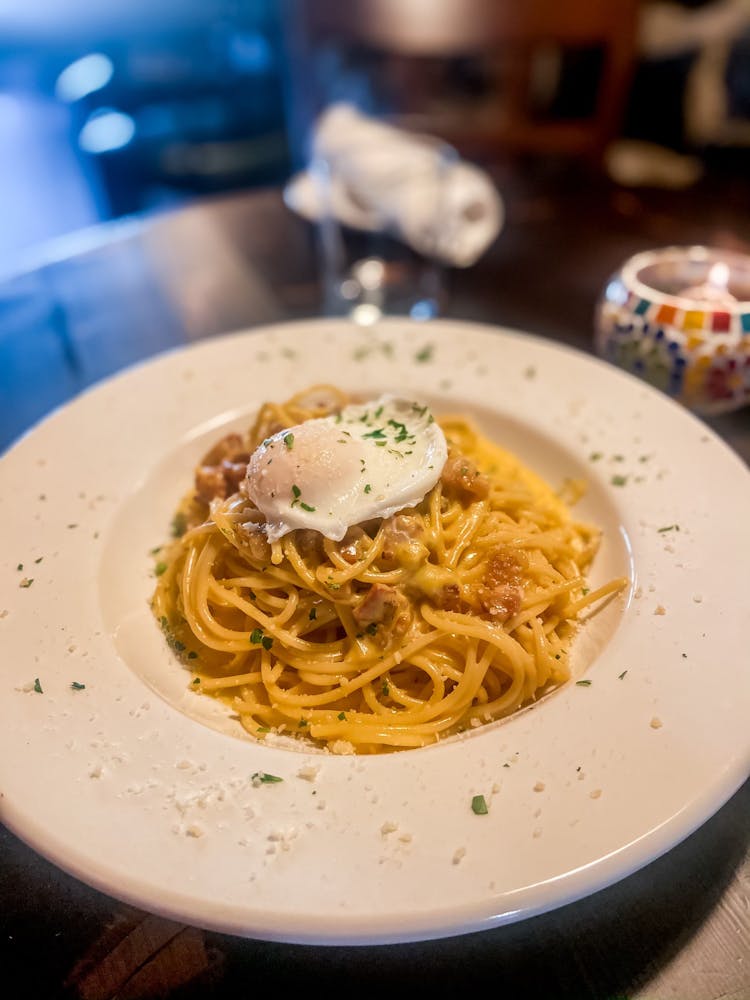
(38, 686)
(479, 805)
(263, 778)
(289, 441)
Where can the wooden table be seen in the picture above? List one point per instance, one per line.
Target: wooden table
(90, 305)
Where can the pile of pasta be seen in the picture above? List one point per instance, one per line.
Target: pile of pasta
(414, 628)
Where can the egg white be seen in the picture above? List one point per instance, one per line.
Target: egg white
(370, 460)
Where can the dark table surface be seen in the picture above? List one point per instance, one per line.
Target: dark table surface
(93, 303)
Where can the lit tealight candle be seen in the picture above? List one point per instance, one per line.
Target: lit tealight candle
(714, 289)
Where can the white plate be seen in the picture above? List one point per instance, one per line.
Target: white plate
(123, 786)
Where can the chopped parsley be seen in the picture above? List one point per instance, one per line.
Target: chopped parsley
(192, 655)
(386, 689)
(341, 716)
(296, 493)
(377, 433)
(19, 567)
(37, 561)
(289, 441)
(583, 684)
(669, 527)
(479, 805)
(77, 687)
(372, 628)
(619, 480)
(595, 456)
(620, 676)
(313, 614)
(368, 488)
(196, 681)
(262, 777)
(38, 686)
(257, 638)
(161, 567)
(307, 507)
(26, 582)
(425, 354)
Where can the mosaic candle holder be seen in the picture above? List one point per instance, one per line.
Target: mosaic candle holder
(679, 317)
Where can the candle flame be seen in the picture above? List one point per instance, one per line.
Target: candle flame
(718, 276)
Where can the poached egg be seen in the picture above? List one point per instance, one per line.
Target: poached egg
(370, 460)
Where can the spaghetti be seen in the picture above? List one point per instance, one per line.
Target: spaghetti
(412, 628)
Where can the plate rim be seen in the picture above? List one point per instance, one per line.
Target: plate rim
(671, 832)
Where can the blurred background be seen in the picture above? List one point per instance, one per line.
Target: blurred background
(119, 108)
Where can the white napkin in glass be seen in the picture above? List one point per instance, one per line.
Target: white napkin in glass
(374, 176)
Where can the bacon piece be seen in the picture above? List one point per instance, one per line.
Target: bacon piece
(222, 469)
(449, 598)
(462, 478)
(401, 531)
(229, 446)
(501, 592)
(383, 611)
(235, 471)
(210, 482)
(253, 539)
